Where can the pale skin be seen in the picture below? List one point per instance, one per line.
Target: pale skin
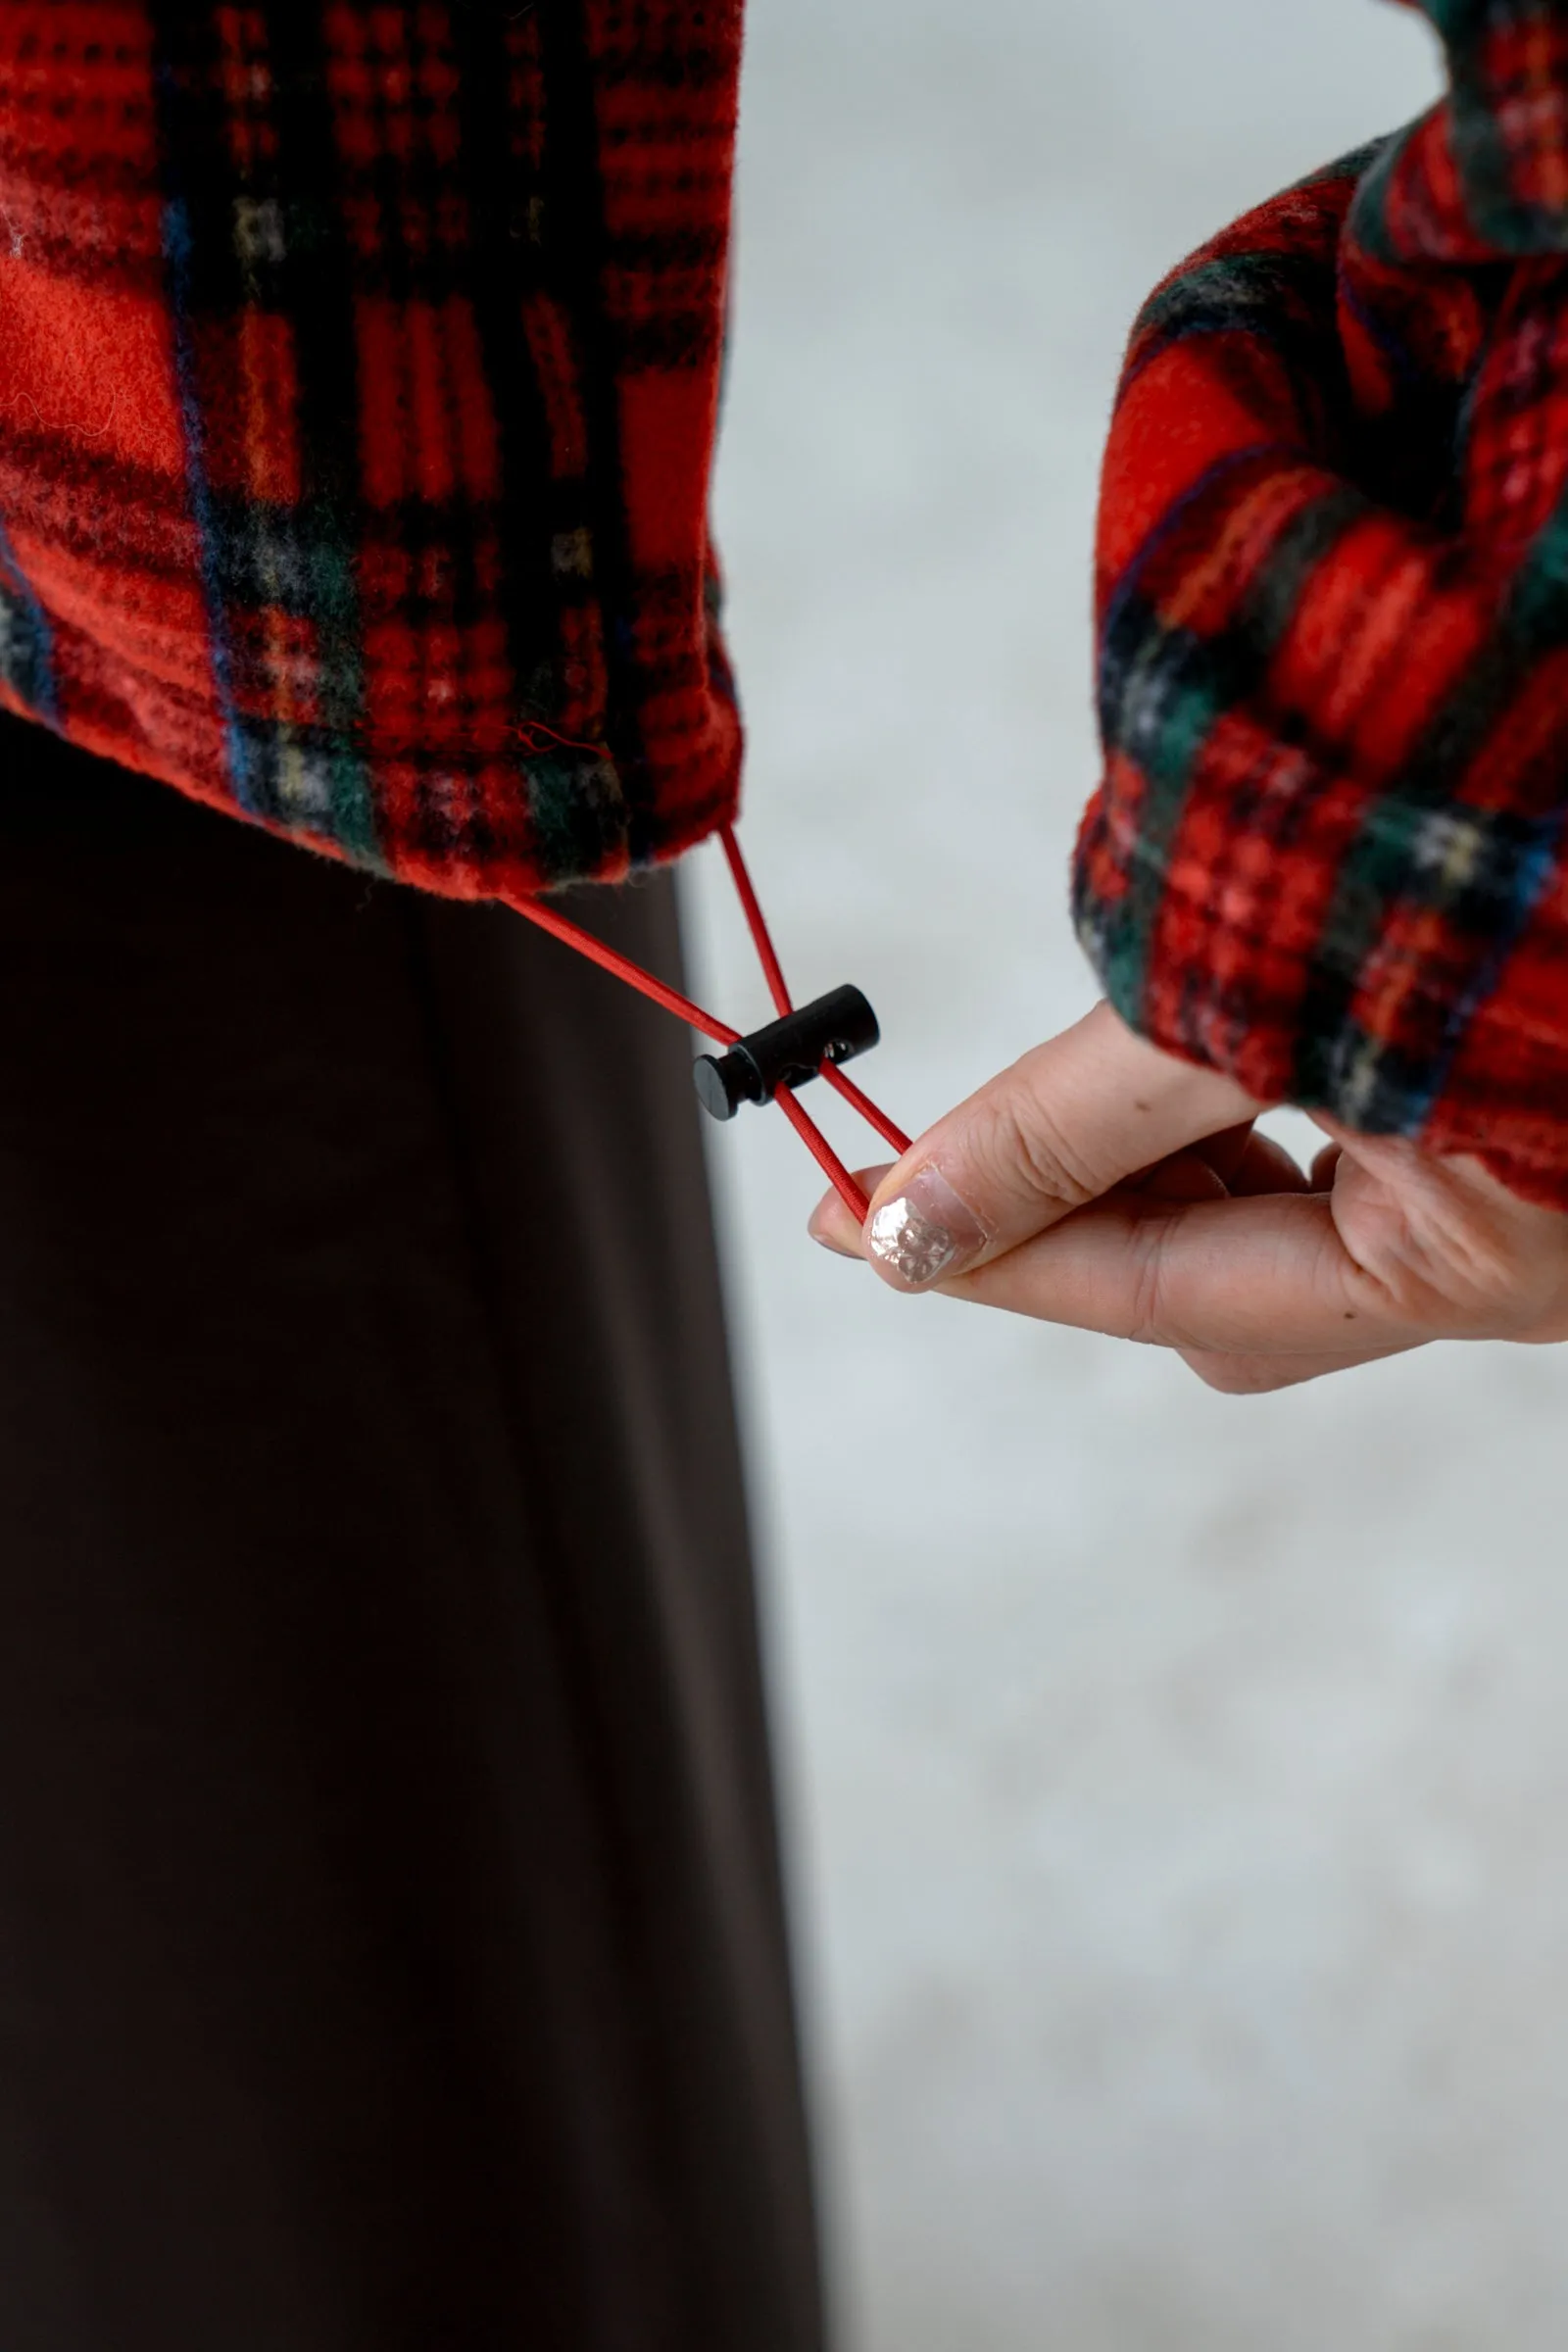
(1116, 1189)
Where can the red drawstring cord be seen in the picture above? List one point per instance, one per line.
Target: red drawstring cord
(755, 922)
(757, 925)
(810, 1135)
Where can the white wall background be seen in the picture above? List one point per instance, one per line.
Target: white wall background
(1179, 1785)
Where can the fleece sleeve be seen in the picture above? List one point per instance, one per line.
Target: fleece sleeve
(1327, 855)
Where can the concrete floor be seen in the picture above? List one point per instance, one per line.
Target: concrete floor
(1177, 1784)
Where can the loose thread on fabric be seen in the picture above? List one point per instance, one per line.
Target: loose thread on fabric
(609, 959)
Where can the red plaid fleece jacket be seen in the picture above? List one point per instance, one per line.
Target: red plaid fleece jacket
(359, 370)
(1328, 852)
(358, 381)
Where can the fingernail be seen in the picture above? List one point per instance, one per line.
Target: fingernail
(926, 1233)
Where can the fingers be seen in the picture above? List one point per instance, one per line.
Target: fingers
(1255, 1297)
(1324, 1166)
(1265, 1277)
(1186, 1177)
(1237, 1161)
(1064, 1126)
(1266, 1167)
(1224, 1153)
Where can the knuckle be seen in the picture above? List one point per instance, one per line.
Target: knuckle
(1026, 1141)
(1454, 1277)
(1148, 1321)
(1440, 1248)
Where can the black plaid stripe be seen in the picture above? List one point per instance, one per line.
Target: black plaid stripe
(502, 191)
(310, 279)
(248, 158)
(575, 248)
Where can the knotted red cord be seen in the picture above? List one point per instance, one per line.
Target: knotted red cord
(695, 1017)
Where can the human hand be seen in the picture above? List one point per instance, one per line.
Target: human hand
(1104, 1184)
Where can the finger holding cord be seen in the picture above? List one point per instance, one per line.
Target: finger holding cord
(1073, 1119)
(1258, 1295)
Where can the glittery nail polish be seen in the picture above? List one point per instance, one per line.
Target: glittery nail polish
(926, 1233)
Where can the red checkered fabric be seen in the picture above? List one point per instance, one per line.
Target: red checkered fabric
(1328, 854)
(359, 374)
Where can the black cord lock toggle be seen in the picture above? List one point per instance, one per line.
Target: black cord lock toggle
(787, 1053)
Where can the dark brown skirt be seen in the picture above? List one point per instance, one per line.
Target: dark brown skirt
(391, 1954)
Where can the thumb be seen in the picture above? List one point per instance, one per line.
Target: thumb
(1075, 1117)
